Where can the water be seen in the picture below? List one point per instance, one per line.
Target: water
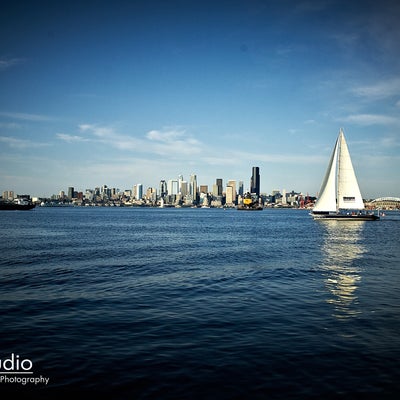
(200, 303)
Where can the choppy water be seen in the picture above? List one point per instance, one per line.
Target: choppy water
(201, 303)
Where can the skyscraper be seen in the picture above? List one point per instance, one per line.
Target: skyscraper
(229, 196)
(255, 182)
(163, 188)
(232, 184)
(172, 187)
(240, 189)
(139, 191)
(193, 187)
(180, 180)
(218, 183)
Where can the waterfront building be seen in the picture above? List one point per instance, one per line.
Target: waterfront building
(241, 188)
(163, 188)
(71, 192)
(193, 187)
(232, 184)
(385, 203)
(183, 188)
(255, 182)
(172, 187)
(284, 202)
(180, 180)
(230, 200)
(203, 189)
(8, 195)
(151, 194)
(217, 188)
(139, 191)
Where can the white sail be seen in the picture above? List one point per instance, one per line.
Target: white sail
(348, 192)
(327, 194)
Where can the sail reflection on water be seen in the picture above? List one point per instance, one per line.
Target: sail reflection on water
(342, 251)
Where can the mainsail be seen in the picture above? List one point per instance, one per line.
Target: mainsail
(339, 188)
(348, 192)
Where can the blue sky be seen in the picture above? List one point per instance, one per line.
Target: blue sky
(127, 92)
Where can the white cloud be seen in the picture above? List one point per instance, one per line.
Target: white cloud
(167, 142)
(370, 119)
(173, 142)
(99, 131)
(10, 125)
(6, 63)
(20, 143)
(25, 116)
(165, 136)
(71, 138)
(390, 142)
(380, 90)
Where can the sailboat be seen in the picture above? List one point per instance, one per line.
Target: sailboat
(340, 197)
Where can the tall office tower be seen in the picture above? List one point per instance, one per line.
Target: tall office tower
(232, 184)
(240, 189)
(255, 181)
(139, 191)
(184, 188)
(229, 196)
(172, 187)
(204, 189)
(70, 192)
(163, 188)
(218, 182)
(151, 194)
(215, 190)
(284, 202)
(193, 187)
(180, 180)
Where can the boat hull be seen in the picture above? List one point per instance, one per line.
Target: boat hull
(12, 206)
(345, 217)
(243, 208)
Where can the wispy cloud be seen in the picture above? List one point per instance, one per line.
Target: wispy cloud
(174, 142)
(21, 143)
(378, 91)
(109, 136)
(25, 116)
(6, 63)
(98, 130)
(170, 142)
(390, 142)
(71, 138)
(10, 125)
(165, 136)
(371, 119)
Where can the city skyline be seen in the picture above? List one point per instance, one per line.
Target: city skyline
(124, 92)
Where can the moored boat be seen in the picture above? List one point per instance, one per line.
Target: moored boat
(17, 204)
(249, 204)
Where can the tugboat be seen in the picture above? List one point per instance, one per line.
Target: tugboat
(17, 204)
(249, 204)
